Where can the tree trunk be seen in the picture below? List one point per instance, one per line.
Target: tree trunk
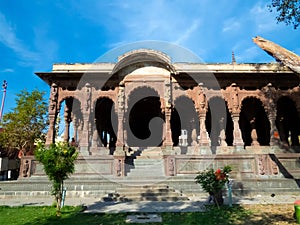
(59, 200)
(218, 198)
(58, 204)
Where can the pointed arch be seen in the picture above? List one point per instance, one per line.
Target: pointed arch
(218, 118)
(287, 121)
(253, 115)
(106, 122)
(144, 118)
(184, 117)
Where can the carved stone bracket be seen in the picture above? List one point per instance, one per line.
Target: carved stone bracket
(26, 167)
(266, 166)
(119, 166)
(170, 165)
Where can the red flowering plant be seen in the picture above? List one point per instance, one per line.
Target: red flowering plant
(213, 181)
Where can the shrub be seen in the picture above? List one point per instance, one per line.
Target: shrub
(213, 181)
(58, 161)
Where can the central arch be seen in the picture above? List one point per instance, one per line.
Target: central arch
(145, 119)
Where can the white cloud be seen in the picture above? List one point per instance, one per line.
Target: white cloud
(38, 54)
(264, 20)
(10, 40)
(8, 70)
(231, 24)
(188, 32)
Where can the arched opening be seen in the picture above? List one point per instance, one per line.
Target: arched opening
(184, 119)
(145, 119)
(77, 121)
(287, 121)
(69, 122)
(106, 120)
(217, 119)
(253, 116)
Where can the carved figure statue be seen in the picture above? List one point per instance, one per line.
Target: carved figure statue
(119, 168)
(202, 97)
(88, 96)
(121, 101)
(235, 97)
(171, 167)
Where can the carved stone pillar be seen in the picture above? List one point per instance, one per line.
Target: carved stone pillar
(237, 134)
(86, 112)
(53, 110)
(270, 94)
(204, 138)
(235, 114)
(168, 143)
(274, 135)
(95, 140)
(201, 107)
(75, 126)
(120, 112)
(79, 131)
(67, 117)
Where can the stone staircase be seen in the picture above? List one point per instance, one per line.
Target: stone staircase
(145, 164)
(144, 179)
(158, 192)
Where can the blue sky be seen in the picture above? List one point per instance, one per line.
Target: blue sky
(35, 34)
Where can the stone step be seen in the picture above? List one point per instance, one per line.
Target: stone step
(149, 198)
(146, 173)
(135, 180)
(158, 192)
(129, 194)
(147, 168)
(137, 189)
(139, 161)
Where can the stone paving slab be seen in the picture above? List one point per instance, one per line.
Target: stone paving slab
(96, 205)
(145, 207)
(144, 218)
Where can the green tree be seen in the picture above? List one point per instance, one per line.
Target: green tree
(26, 123)
(288, 11)
(58, 161)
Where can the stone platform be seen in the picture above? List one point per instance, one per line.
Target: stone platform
(153, 175)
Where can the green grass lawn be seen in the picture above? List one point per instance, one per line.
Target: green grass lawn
(30, 215)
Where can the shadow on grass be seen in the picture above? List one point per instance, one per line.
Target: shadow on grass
(212, 216)
(228, 216)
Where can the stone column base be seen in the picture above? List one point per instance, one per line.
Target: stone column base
(84, 151)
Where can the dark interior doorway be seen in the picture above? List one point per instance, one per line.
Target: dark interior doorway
(145, 120)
